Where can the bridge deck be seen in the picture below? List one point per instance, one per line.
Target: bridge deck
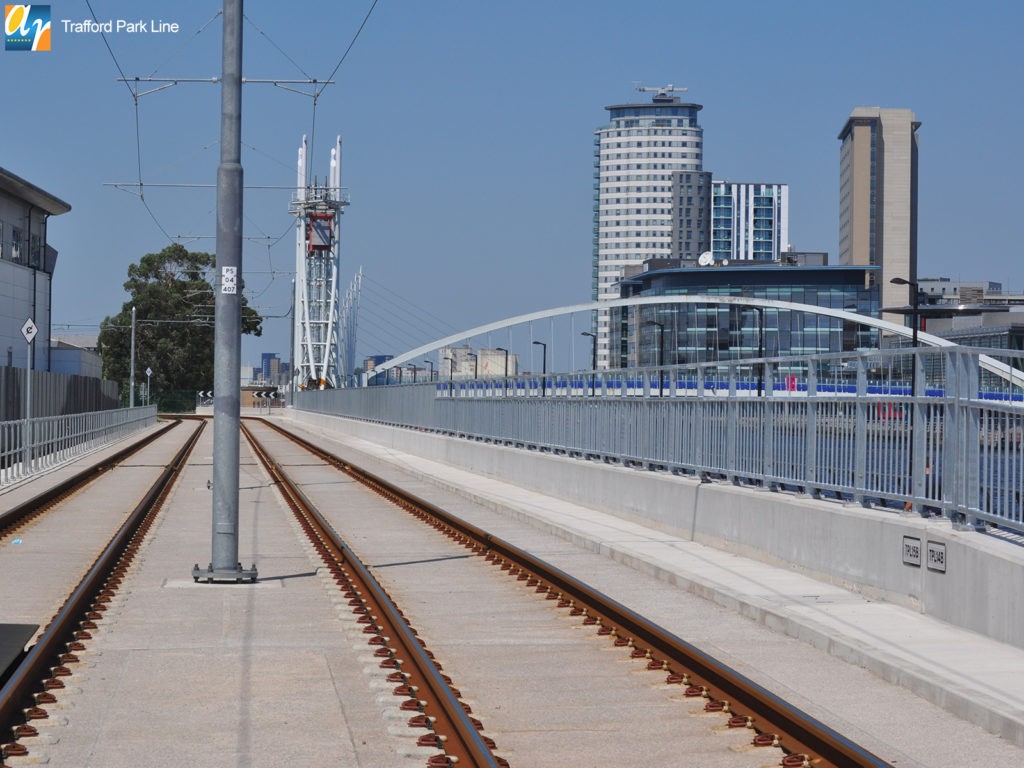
(803, 631)
(183, 655)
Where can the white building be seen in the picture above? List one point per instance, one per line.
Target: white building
(749, 221)
(26, 269)
(465, 363)
(638, 158)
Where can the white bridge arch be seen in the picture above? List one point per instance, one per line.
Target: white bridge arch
(988, 363)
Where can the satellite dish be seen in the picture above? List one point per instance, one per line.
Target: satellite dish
(706, 259)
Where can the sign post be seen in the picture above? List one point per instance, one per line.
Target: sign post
(29, 331)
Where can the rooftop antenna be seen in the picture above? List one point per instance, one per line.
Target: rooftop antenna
(661, 93)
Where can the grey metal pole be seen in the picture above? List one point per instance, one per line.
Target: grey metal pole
(131, 366)
(760, 349)
(227, 354)
(28, 411)
(544, 367)
(291, 351)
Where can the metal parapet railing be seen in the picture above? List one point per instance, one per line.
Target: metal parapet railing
(31, 446)
(933, 430)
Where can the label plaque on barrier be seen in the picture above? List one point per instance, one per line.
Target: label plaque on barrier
(936, 556)
(911, 551)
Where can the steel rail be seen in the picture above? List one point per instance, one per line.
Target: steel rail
(26, 509)
(458, 734)
(727, 690)
(45, 658)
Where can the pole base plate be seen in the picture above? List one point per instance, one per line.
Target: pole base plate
(238, 574)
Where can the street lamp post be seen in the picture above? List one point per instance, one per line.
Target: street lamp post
(915, 301)
(431, 364)
(593, 349)
(502, 349)
(661, 351)
(544, 367)
(593, 358)
(412, 366)
(476, 363)
(451, 376)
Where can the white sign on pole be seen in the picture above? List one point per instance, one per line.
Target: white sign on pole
(29, 330)
(229, 280)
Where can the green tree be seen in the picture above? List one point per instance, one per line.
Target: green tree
(172, 292)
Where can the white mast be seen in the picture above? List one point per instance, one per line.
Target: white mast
(349, 321)
(317, 255)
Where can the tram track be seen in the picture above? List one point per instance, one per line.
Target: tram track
(23, 514)
(428, 695)
(742, 704)
(37, 680)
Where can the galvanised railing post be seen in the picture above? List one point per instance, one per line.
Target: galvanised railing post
(952, 438)
(700, 421)
(731, 427)
(767, 405)
(860, 432)
(919, 427)
(972, 436)
(811, 432)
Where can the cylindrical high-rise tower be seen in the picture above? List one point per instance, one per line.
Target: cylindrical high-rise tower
(638, 160)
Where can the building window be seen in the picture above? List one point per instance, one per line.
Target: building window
(16, 245)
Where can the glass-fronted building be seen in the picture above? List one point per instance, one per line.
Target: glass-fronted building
(676, 334)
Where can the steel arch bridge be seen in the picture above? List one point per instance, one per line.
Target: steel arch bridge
(988, 363)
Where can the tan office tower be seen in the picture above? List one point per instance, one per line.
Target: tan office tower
(878, 198)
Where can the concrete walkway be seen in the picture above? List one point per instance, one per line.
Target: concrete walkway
(230, 675)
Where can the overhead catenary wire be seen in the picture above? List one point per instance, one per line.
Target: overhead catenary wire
(138, 132)
(188, 41)
(277, 47)
(133, 86)
(329, 79)
(350, 45)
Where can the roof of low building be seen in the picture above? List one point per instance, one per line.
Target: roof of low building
(26, 190)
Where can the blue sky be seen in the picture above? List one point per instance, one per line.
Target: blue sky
(468, 130)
